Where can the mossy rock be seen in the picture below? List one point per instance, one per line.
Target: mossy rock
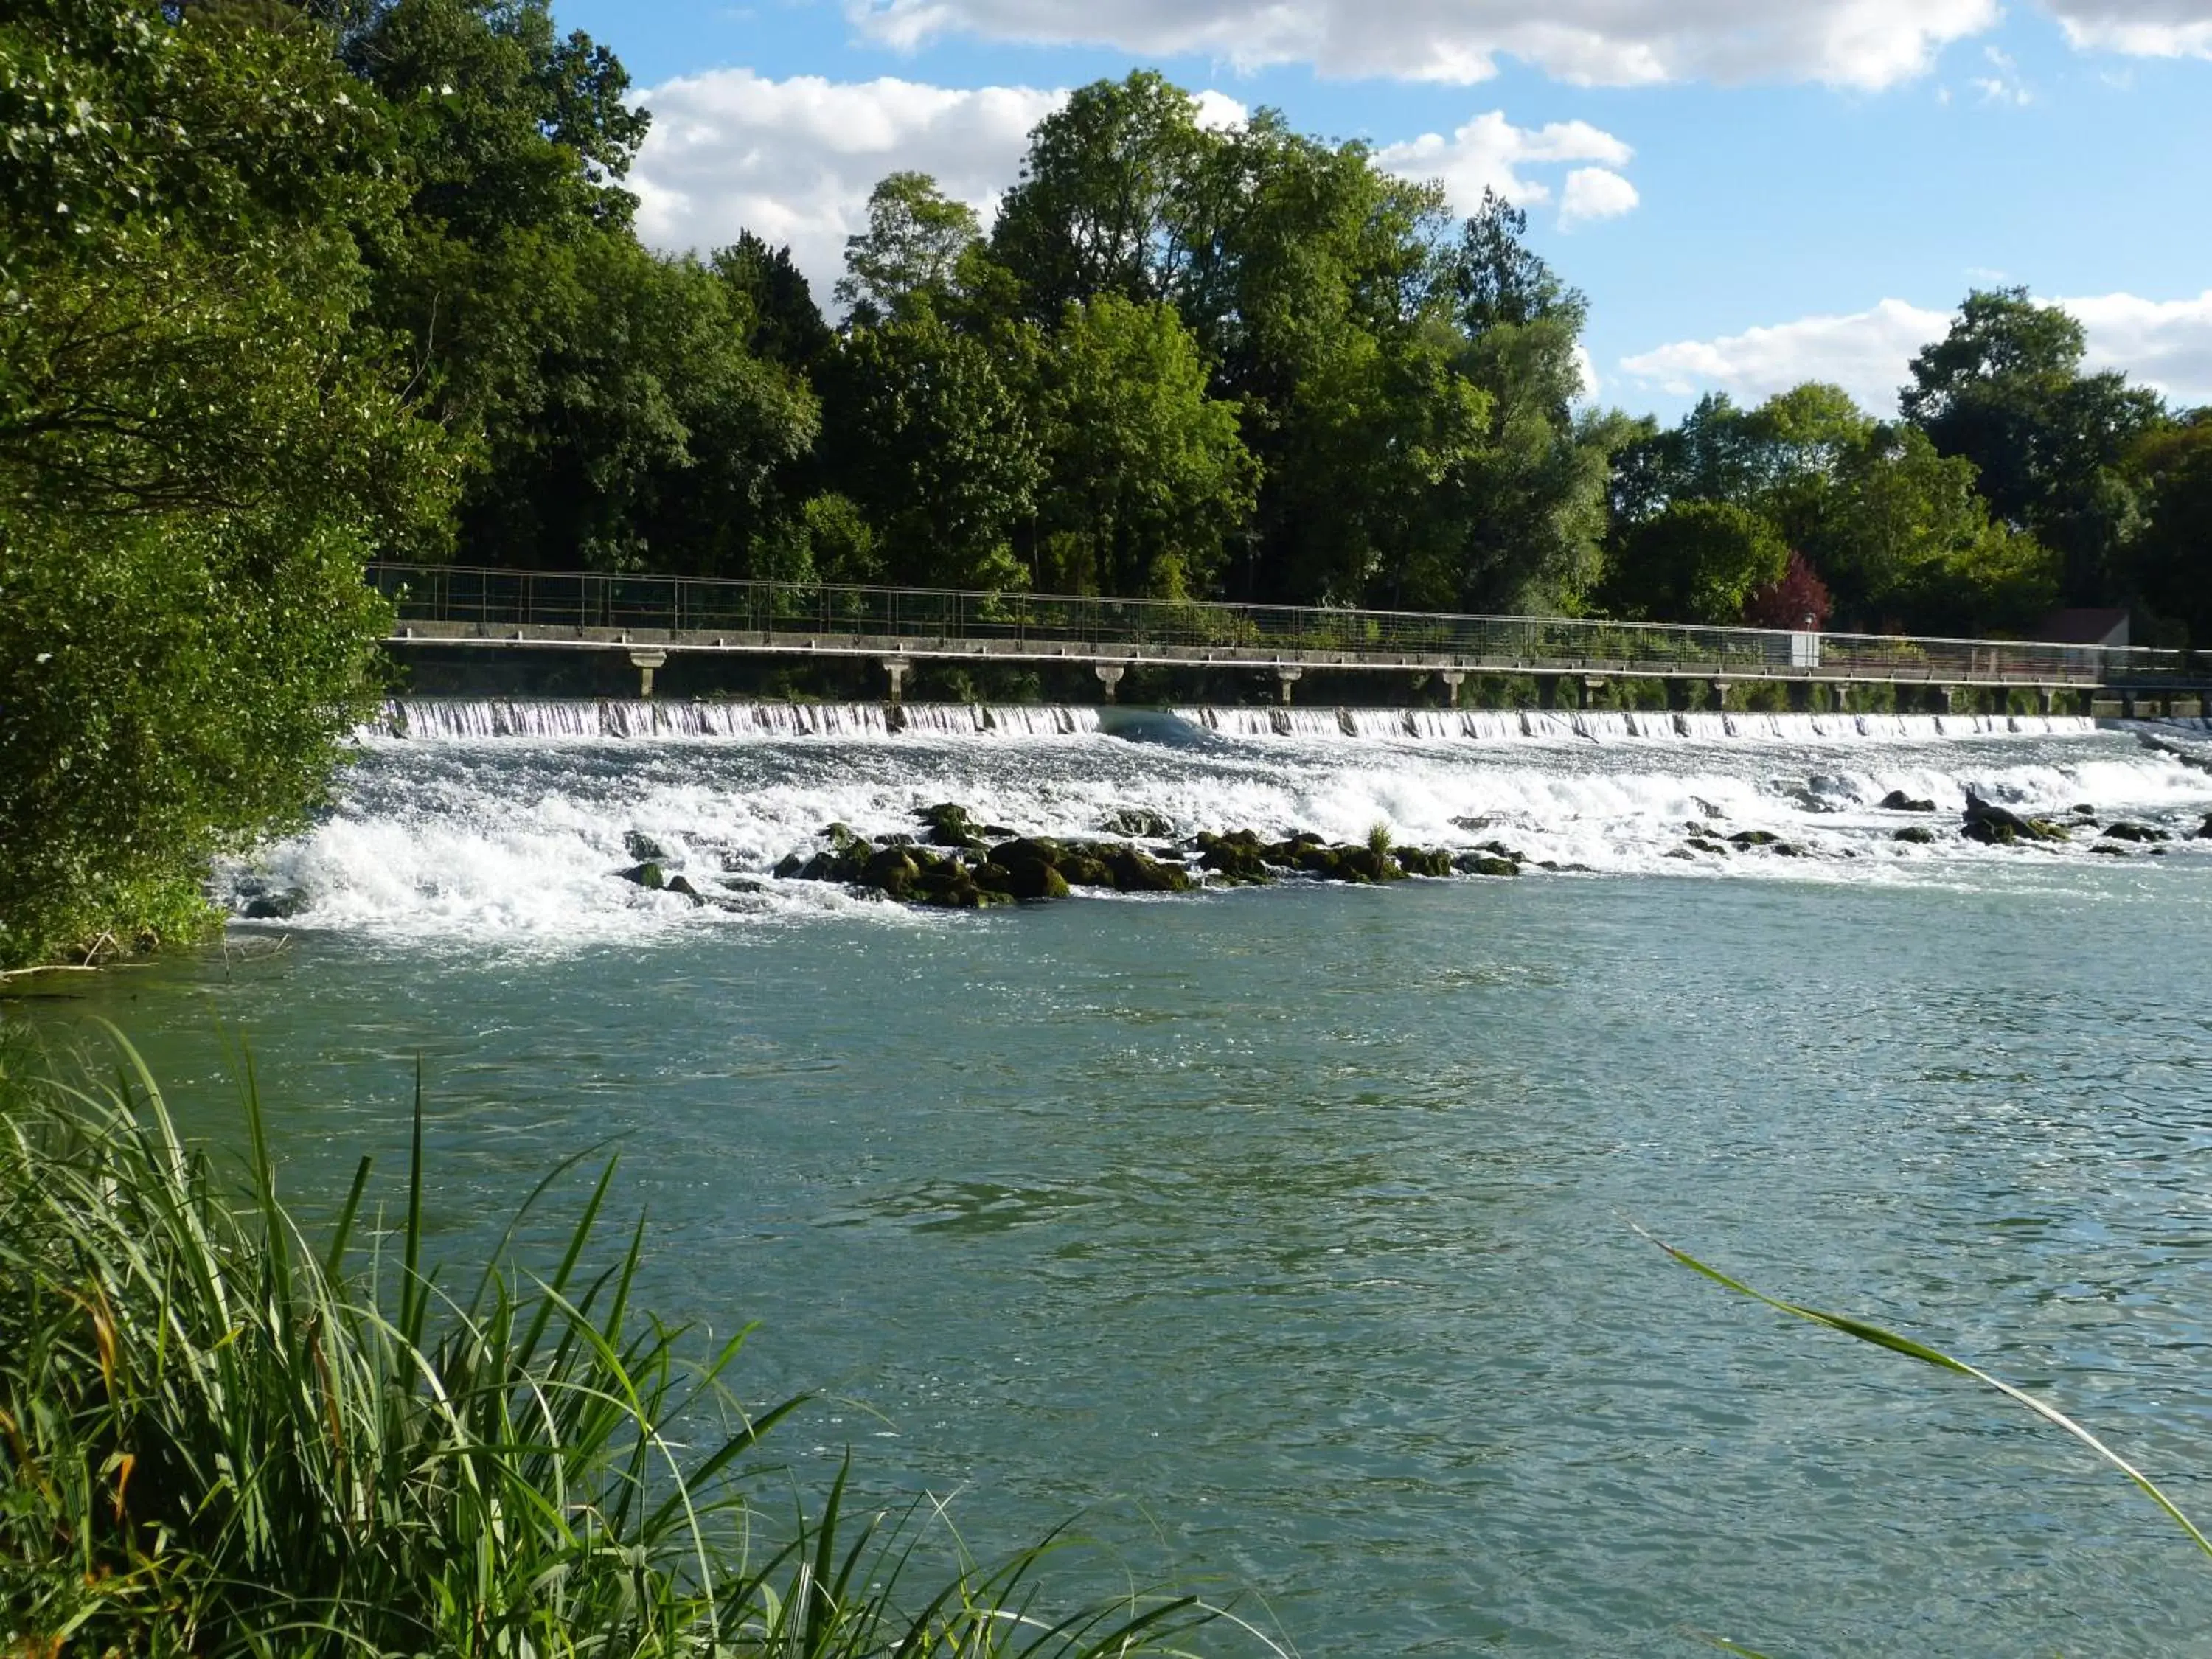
(892, 869)
(1138, 873)
(1898, 801)
(1754, 838)
(1237, 858)
(277, 907)
(1032, 882)
(789, 868)
(648, 875)
(643, 847)
(1485, 864)
(1027, 850)
(951, 826)
(1719, 849)
(1368, 864)
(1085, 869)
(1919, 834)
(1137, 822)
(1424, 861)
(682, 885)
(2142, 833)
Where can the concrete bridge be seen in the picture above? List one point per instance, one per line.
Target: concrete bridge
(647, 619)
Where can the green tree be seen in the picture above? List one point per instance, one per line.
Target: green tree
(199, 442)
(1102, 206)
(1146, 477)
(1905, 541)
(2172, 559)
(786, 325)
(658, 440)
(925, 431)
(1697, 562)
(2004, 390)
(910, 253)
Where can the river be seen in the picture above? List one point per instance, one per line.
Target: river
(1289, 1235)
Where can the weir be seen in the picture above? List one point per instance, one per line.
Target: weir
(647, 619)
(468, 718)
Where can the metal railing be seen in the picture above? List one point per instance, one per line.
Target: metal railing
(1138, 629)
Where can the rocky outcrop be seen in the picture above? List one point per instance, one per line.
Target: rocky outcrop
(2139, 833)
(1995, 826)
(1918, 834)
(1135, 823)
(1898, 801)
(960, 864)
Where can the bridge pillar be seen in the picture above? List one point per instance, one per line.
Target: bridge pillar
(2042, 699)
(644, 662)
(1453, 679)
(897, 668)
(1288, 677)
(1720, 694)
(1109, 674)
(1949, 694)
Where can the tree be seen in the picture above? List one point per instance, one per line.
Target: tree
(2004, 390)
(199, 441)
(910, 251)
(1145, 475)
(1798, 600)
(787, 327)
(1697, 562)
(926, 434)
(1101, 207)
(658, 440)
(1907, 541)
(2171, 561)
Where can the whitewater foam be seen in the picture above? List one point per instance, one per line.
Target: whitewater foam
(506, 821)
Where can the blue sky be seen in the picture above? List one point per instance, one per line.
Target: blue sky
(1751, 191)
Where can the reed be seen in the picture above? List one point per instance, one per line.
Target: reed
(221, 1437)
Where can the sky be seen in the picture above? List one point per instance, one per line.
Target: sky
(1751, 192)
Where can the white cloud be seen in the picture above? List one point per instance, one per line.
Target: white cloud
(1864, 353)
(2141, 29)
(2167, 344)
(1856, 43)
(1595, 193)
(1218, 112)
(1490, 151)
(2004, 85)
(793, 161)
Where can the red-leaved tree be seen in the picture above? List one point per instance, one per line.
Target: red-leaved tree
(1799, 601)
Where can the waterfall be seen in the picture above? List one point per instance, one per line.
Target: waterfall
(479, 719)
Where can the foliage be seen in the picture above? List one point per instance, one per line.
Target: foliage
(224, 1435)
(923, 431)
(199, 441)
(2004, 390)
(2171, 558)
(1697, 562)
(1146, 477)
(1898, 530)
(910, 251)
(1798, 599)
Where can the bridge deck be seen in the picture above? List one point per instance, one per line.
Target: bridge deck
(913, 648)
(455, 606)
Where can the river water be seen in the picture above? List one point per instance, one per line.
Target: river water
(1289, 1235)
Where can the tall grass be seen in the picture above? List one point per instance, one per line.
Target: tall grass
(219, 1436)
